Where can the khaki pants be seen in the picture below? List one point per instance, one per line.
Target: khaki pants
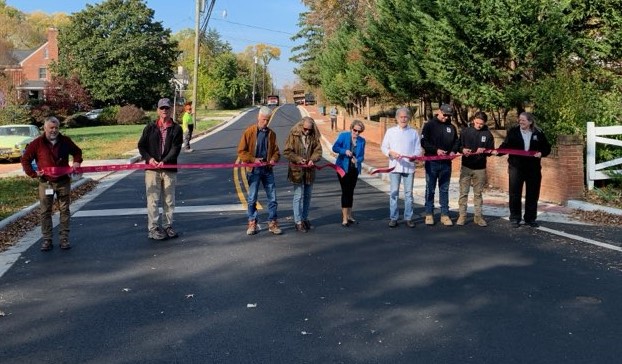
(62, 190)
(477, 179)
(160, 186)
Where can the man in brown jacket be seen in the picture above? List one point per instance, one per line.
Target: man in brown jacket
(258, 145)
(302, 147)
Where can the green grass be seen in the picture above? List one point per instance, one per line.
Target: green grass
(16, 193)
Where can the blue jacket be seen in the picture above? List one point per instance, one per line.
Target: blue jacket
(344, 143)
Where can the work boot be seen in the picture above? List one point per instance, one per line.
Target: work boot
(252, 227)
(445, 220)
(46, 245)
(429, 219)
(393, 223)
(410, 223)
(461, 220)
(157, 234)
(64, 244)
(479, 220)
(273, 227)
(300, 226)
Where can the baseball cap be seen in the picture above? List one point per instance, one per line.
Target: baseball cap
(164, 103)
(447, 109)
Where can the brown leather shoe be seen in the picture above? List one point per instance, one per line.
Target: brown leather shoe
(273, 227)
(47, 245)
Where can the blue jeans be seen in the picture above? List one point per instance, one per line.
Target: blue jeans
(437, 172)
(302, 200)
(264, 176)
(396, 178)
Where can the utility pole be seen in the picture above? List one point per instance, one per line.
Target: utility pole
(254, 77)
(197, 14)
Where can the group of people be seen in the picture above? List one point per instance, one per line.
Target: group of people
(440, 143)
(162, 141)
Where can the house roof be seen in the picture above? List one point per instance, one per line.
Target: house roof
(21, 55)
(32, 85)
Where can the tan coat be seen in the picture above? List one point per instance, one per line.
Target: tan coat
(248, 145)
(295, 152)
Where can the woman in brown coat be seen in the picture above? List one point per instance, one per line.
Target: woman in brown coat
(302, 147)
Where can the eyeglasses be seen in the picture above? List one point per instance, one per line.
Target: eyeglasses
(307, 129)
(357, 131)
(164, 108)
(447, 115)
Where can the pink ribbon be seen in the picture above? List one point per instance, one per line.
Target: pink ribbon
(61, 171)
(524, 153)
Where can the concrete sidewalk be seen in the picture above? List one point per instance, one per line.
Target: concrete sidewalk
(495, 202)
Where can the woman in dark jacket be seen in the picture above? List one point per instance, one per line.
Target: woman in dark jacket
(525, 170)
(350, 149)
(302, 147)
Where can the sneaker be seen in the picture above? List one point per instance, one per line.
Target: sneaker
(461, 220)
(393, 223)
(300, 226)
(170, 233)
(445, 220)
(429, 219)
(307, 224)
(273, 227)
(47, 245)
(157, 234)
(479, 220)
(533, 224)
(410, 223)
(64, 244)
(252, 227)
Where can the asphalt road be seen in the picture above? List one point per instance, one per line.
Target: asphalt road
(364, 294)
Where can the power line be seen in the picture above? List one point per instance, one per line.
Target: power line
(255, 27)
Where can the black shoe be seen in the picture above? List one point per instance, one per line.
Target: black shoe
(300, 226)
(352, 221)
(393, 223)
(515, 223)
(345, 224)
(533, 224)
(170, 232)
(46, 245)
(64, 244)
(307, 224)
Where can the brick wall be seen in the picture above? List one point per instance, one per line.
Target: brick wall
(37, 60)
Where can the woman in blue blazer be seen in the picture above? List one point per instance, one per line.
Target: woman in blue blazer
(350, 147)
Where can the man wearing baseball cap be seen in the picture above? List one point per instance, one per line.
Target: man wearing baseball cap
(439, 137)
(160, 144)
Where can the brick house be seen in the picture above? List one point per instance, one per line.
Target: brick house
(29, 75)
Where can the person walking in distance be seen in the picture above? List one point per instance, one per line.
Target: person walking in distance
(525, 170)
(439, 138)
(399, 142)
(52, 149)
(303, 147)
(187, 126)
(333, 118)
(350, 149)
(160, 144)
(474, 140)
(258, 145)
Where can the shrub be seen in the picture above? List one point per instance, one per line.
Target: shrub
(15, 114)
(108, 116)
(131, 115)
(78, 121)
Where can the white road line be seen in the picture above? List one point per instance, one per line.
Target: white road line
(143, 210)
(580, 238)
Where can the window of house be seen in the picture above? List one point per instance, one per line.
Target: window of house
(45, 53)
(42, 73)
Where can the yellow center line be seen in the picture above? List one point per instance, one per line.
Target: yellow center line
(239, 175)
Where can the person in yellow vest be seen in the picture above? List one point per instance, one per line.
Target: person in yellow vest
(187, 125)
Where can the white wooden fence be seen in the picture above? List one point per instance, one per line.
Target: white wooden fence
(593, 171)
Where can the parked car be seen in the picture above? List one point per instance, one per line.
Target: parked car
(94, 114)
(15, 138)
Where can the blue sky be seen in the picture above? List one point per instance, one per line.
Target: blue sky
(247, 22)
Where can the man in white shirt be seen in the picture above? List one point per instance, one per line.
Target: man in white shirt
(400, 143)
